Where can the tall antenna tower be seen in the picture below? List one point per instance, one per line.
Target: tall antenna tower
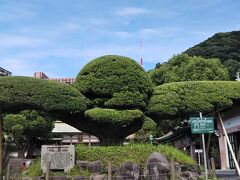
(141, 58)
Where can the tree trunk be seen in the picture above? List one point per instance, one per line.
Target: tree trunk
(110, 141)
(1, 145)
(30, 148)
(20, 153)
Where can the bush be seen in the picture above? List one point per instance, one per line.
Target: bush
(34, 169)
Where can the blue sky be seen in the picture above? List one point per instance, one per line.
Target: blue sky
(59, 37)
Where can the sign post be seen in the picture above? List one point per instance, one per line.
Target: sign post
(199, 151)
(202, 125)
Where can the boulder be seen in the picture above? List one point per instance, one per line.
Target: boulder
(128, 170)
(189, 172)
(157, 167)
(94, 166)
(80, 178)
(190, 168)
(82, 164)
(98, 177)
(189, 175)
(59, 178)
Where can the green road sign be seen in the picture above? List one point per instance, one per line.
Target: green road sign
(202, 125)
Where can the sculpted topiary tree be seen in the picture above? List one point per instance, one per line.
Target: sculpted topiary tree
(181, 99)
(118, 90)
(20, 93)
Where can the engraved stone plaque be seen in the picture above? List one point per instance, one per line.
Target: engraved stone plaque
(60, 157)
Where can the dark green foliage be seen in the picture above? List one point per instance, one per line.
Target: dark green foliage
(117, 86)
(19, 93)
(27, 128)
(149, 128)
(118, 80)
(185, 68)
(224, 46)
(113, 116)
(164, 126)
(184, 98)
(119, 90)
(233, 67)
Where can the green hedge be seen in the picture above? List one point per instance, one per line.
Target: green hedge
(26, 92)
(184, 98)
(137, 153)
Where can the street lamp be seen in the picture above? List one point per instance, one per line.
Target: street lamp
(151, 138)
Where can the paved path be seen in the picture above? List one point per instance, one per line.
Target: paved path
(227, 175)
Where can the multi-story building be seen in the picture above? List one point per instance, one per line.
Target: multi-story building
(65, 133)
(4, 72)
(64, 80)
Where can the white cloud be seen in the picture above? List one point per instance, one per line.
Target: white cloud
(17, 66)
(122, 34)
(15, 11)
(131, 11)
(13, 41)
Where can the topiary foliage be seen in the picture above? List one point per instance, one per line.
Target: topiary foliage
(119, 90)
(113, 126)
(182, 99)
(115, 82)
(19, 93)
(149, 128)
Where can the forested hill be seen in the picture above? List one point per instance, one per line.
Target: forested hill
(225, 46)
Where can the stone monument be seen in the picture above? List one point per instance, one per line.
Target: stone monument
(59, 157)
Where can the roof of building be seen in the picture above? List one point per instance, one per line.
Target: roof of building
(5, 72)
(178, 133)
(63, 128)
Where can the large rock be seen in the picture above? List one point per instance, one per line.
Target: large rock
(157, 167)
(94, 166)
(82, 164)
(129, 171)
(80, 178)
(59, 178)
(98, 177)
(16, 165)
(189, 175)
(189, 172)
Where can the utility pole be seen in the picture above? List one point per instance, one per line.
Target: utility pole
(141, 58)
(204, 153)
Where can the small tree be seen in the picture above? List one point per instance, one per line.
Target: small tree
(27, 130)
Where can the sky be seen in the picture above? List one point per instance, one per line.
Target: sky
(59, 37)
